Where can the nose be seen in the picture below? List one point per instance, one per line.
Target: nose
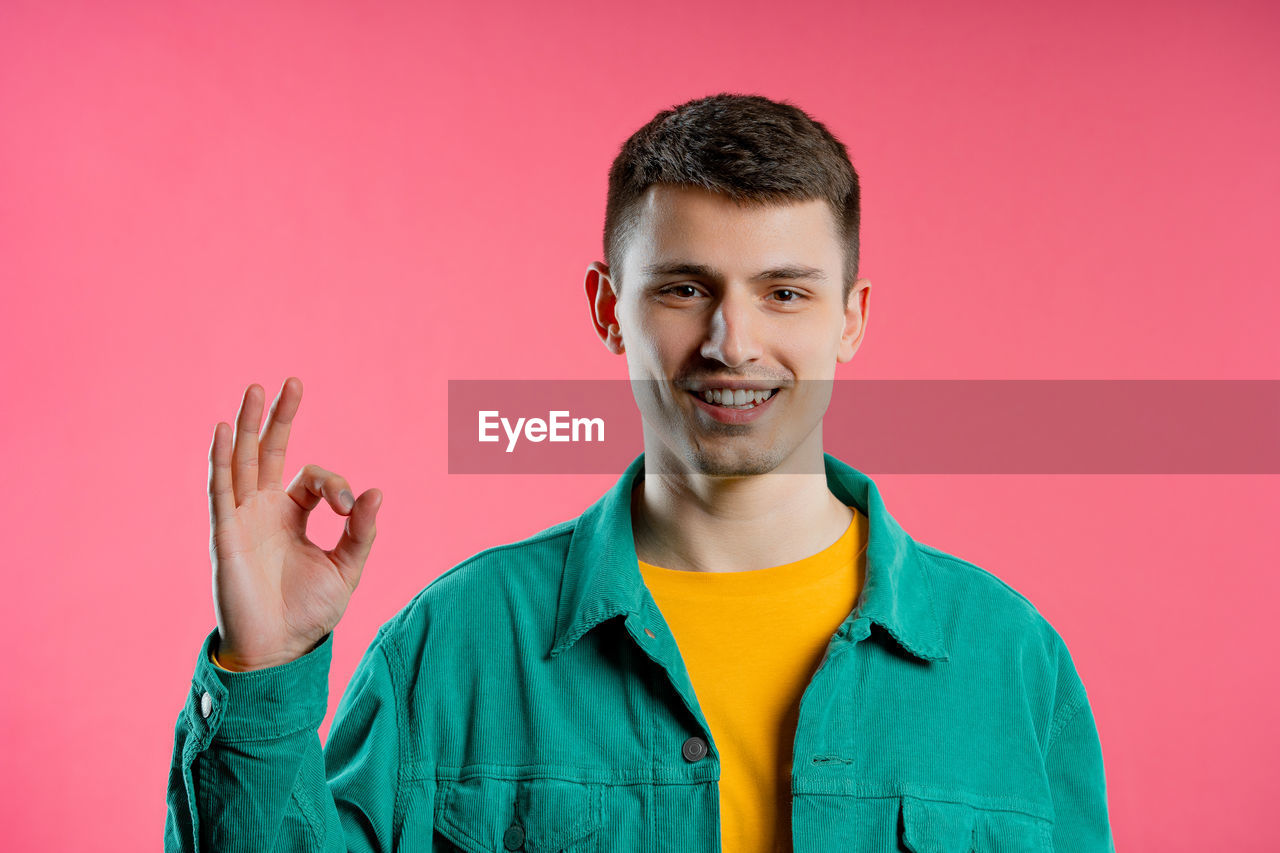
(732, 337)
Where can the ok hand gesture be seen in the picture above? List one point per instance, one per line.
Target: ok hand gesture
(276, 593)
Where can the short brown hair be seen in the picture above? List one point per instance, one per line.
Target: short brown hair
(747, 147)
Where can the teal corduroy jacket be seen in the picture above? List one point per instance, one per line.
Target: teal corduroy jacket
(533, 698)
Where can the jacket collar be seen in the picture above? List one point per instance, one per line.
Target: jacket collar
(602, 576)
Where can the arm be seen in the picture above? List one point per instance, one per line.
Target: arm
(247, 771)
(252, 776)
(1078, 780)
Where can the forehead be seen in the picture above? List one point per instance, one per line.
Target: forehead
(692, 223)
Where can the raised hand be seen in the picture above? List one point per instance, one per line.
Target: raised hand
(277, 594)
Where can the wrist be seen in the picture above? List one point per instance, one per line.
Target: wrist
(229, 660)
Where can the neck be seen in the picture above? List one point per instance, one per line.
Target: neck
(697, 522)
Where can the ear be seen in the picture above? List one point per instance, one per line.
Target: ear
(856, 313)
(603, 302)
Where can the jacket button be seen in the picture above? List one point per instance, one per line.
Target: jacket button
(206, 705)
(513, 838)
(694, 749)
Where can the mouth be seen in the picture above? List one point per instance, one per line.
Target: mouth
(734, 400)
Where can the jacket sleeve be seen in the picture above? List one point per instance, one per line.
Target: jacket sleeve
(248, 772)
(1077, 778)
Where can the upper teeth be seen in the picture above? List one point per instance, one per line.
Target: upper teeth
(727, 397)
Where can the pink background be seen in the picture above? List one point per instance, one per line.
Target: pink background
(378, 197)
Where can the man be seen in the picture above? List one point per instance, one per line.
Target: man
(737, 647)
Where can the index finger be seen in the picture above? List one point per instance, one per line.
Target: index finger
(275, 436)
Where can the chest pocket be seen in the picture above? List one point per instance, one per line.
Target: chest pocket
(931, 826)
(480, 814)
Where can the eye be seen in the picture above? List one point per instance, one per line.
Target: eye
(685, 287)
(796, 296)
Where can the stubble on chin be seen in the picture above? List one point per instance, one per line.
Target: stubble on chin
(730, 463)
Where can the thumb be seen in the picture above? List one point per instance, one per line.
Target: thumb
(357, 536)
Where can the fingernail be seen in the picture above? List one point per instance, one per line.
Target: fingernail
(347, 500)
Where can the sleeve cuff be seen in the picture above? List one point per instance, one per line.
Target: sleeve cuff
(262, 704)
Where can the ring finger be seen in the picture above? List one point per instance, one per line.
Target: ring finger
(244, 453)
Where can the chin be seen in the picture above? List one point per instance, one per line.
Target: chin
(728, 462)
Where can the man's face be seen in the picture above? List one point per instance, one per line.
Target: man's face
(720, 297)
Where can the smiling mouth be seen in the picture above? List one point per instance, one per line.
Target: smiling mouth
(735, 399)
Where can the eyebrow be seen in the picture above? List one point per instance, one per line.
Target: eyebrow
(787, 272)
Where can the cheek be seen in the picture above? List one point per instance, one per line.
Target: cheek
(661, 354)
(814, 347)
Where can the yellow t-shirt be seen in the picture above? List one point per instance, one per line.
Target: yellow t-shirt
(752, 641)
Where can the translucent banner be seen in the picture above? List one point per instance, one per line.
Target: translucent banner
(882, 426)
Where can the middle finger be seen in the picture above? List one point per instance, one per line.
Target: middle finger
(275, 434)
